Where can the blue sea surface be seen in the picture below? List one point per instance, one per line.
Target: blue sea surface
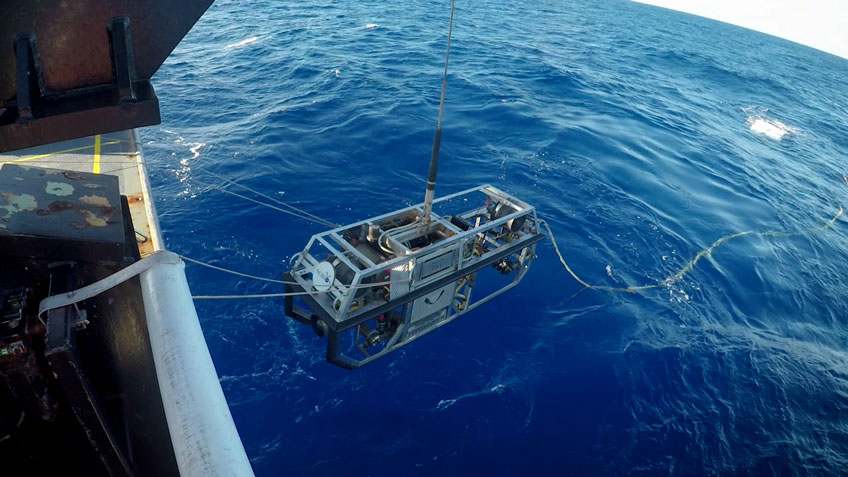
(641, 135)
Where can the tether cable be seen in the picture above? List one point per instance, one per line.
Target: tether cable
(688, 266)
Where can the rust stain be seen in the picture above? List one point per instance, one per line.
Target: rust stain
(145, 248)
(74, 175)
(139, 215)
(59, 206)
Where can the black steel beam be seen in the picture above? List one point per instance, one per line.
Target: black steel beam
(71, 116)
(75, 385)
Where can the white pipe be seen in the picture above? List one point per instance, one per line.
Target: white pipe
(205, 439)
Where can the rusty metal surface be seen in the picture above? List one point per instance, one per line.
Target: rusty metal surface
(60, 214)
(118, 359)
(142, 227)
(74, 44)
(64, 118)
(73, 69)
(118, 154)
(68, 204)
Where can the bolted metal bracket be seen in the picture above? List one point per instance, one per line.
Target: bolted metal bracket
(123, 64)
(28, 76)
(87, 71)
(39, 116)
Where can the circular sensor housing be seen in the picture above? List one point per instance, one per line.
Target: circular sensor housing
(323, 276)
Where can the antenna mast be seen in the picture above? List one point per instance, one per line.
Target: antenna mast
(437, 137)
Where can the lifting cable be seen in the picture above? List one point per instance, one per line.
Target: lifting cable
(264, 279)
(437, 136)
(304, 214)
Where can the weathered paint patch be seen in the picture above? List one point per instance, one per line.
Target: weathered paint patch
(97, 200)
(59, 206)
(60, 189)
(93, 219)
(18, 203)
(74, 175)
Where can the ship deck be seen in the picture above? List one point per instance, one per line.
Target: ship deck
(114, 153)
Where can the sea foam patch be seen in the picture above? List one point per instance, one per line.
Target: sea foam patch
(773, 129)
(760, 124)
(244, 42)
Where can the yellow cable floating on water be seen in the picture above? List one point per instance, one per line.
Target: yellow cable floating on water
(691, 263)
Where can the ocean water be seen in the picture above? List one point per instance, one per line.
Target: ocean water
(640, 134)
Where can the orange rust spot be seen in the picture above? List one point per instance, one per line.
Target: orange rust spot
(146, 248)
(134, 198)
(143, 241)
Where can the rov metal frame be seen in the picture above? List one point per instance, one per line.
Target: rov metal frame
(418, 288)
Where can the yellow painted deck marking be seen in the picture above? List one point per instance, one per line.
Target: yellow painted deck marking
(48, 154)
(95, 163)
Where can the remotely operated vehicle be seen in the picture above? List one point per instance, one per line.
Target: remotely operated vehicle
(391, 279)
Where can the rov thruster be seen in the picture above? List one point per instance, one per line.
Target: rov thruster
(388, 280)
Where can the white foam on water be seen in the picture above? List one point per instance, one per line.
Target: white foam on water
(246, 41)
(760, 124)
(609, 273)
(445, 403)
(773, 129)
(371, 26)
(195, 149)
